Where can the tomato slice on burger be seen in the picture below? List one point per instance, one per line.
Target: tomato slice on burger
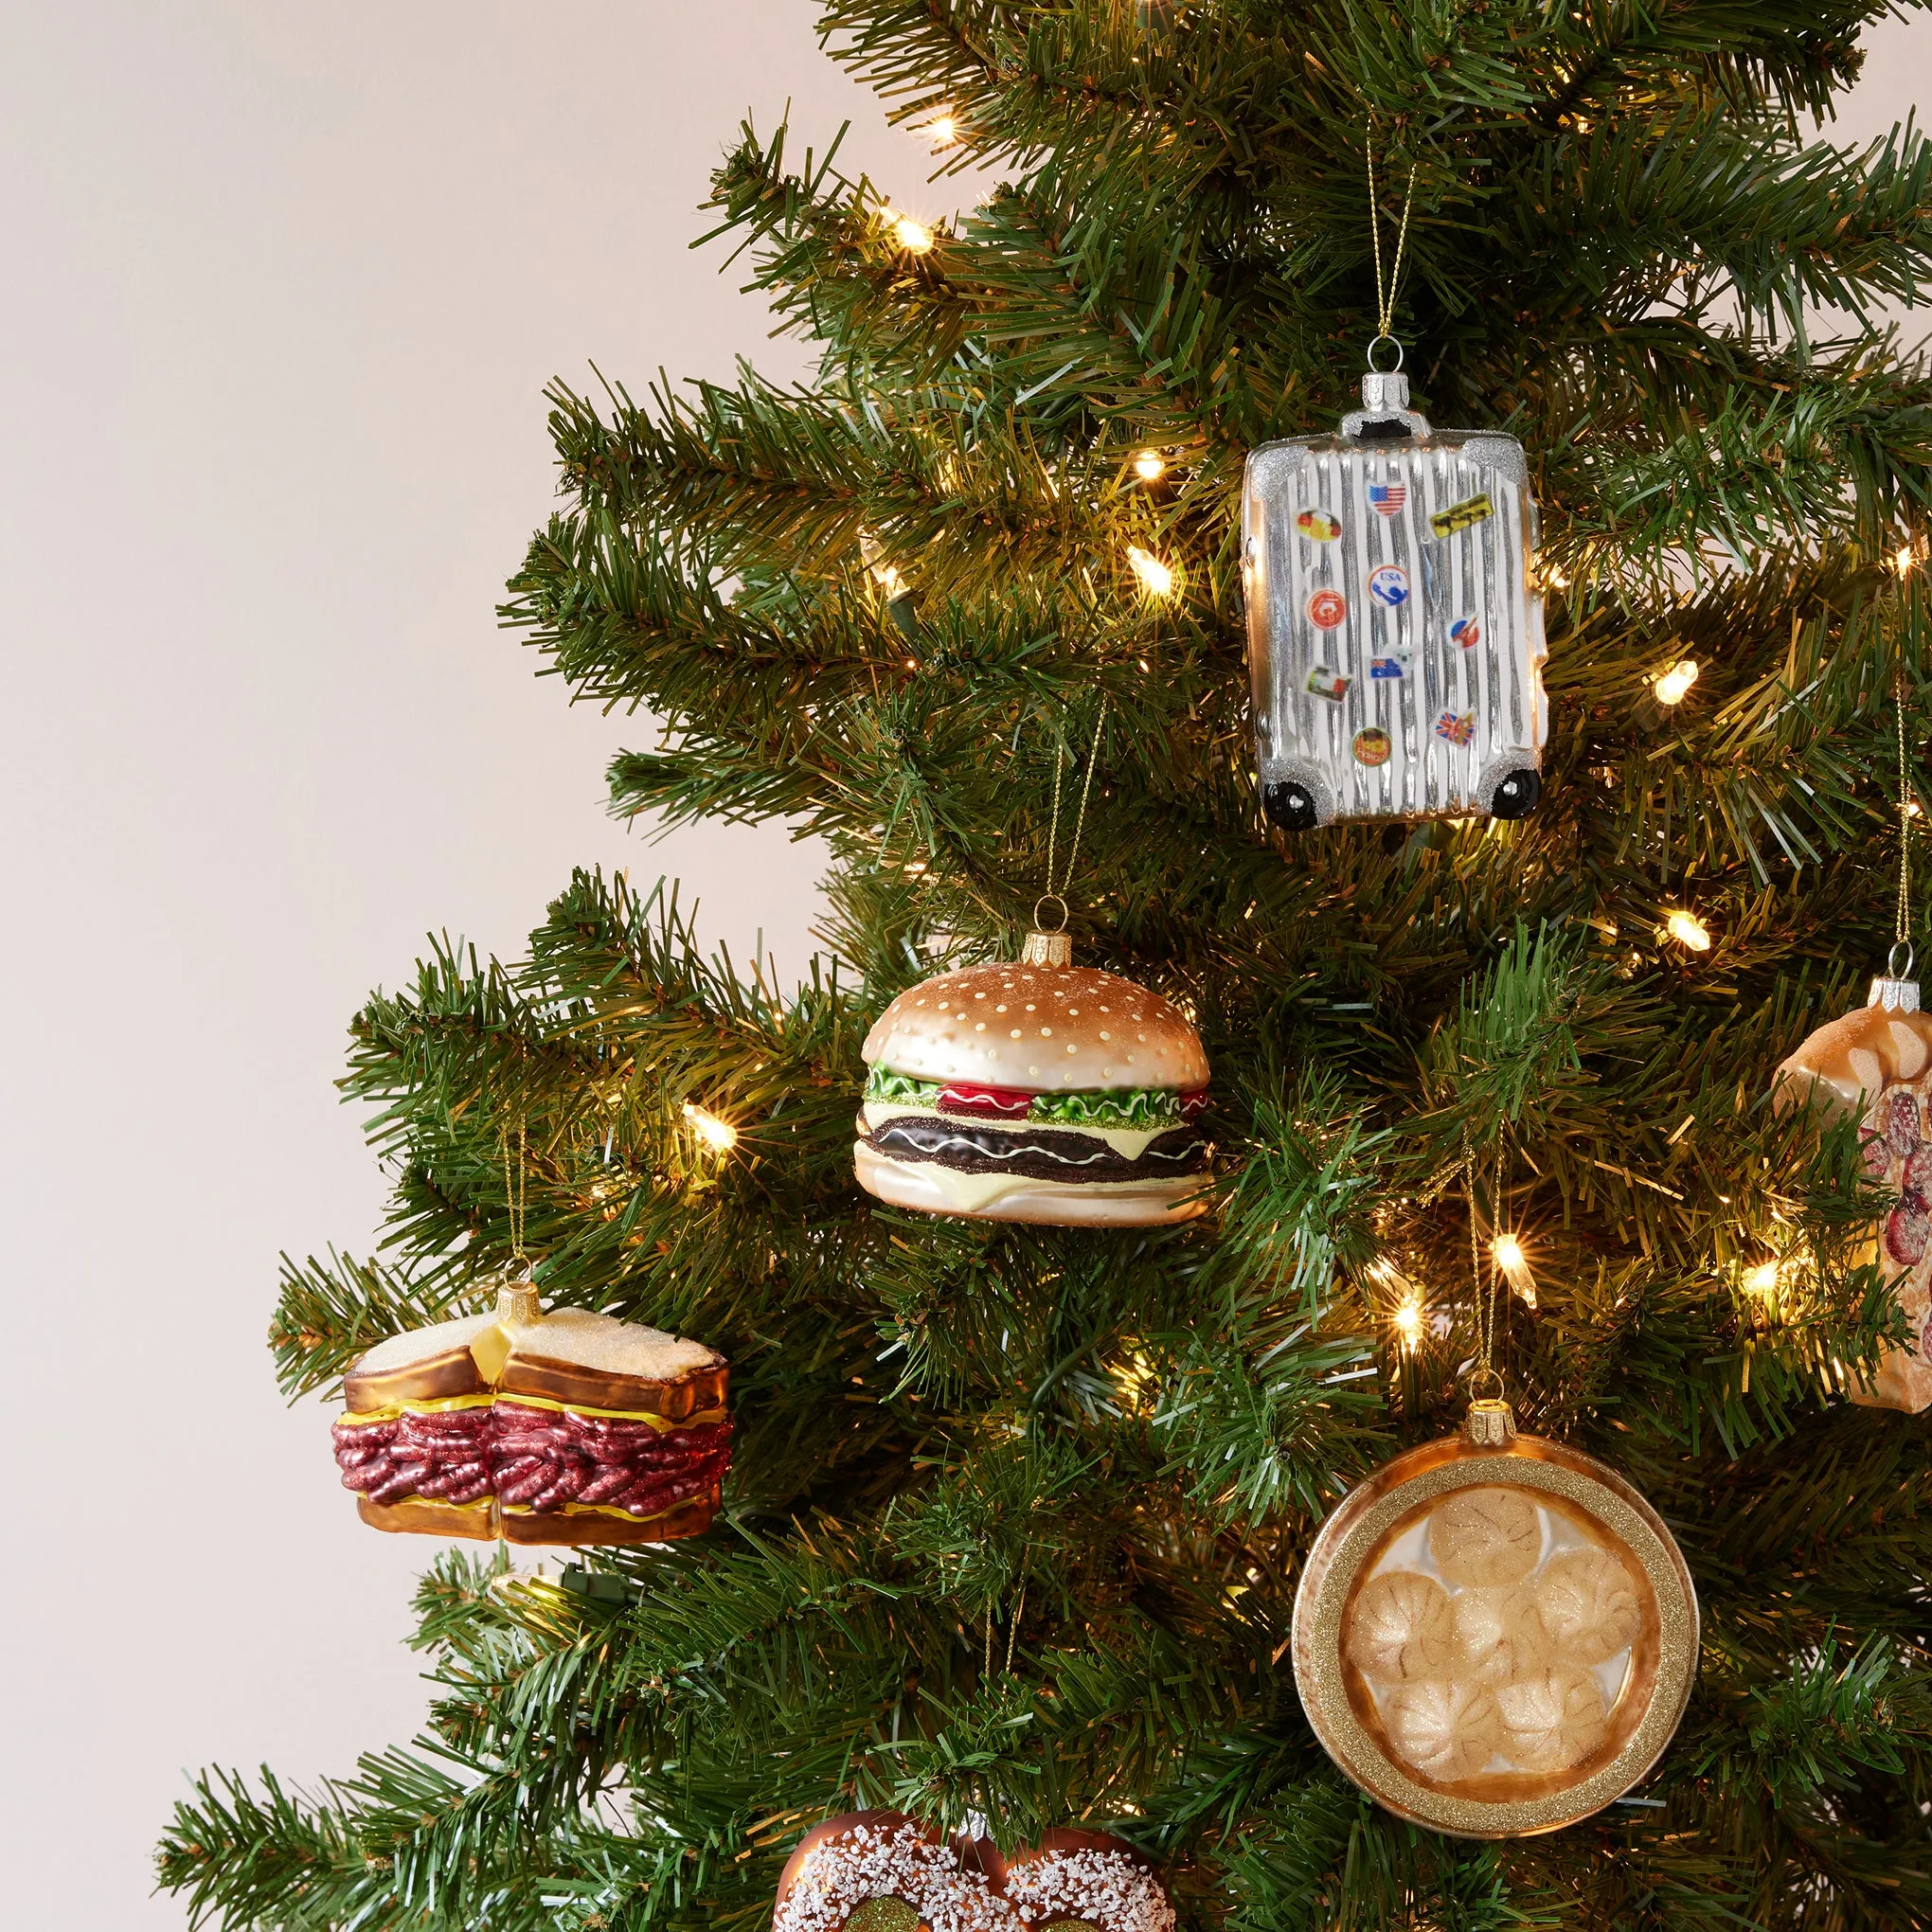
(989, 1104)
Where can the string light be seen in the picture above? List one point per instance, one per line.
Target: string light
(914, 237)
(1903, 562)
(1409, 1319)
(1762, 1279)
(942, 130)
(1673, 683)
(1509, 1257)
(1148, 466)
(719, 1135)
(1155, 577)
(1689, 930)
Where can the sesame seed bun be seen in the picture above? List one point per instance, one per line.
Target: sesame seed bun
(1039, 1029)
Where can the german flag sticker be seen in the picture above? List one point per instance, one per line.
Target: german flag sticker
(1459, 516)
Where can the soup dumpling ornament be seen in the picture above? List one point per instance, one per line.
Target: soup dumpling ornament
(1037, 1091)
(1495, 1634)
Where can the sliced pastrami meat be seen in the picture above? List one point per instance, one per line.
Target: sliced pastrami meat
(1901, 1123)
(1906, 1230)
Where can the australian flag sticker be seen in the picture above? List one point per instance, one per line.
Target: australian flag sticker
(1384, 667)
(1388, 499)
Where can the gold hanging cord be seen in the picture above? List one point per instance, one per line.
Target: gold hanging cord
(1485, 1379)
(1897, 967)
(1385, 293)
(515, 1195)
(1055, 895)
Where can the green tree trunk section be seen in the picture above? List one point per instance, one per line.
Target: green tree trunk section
(1018, 1513)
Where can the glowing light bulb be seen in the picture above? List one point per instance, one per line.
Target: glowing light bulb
(1148, 466)
(1903, 562)
(1155, 575)
(1408, 1320)
(1509, 1257)
(942, 130)
(1762, 1279)
(1675, 681)
(914, 237)
(1689, 930)
(719, 1135)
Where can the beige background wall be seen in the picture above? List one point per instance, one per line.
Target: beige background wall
(283, 284)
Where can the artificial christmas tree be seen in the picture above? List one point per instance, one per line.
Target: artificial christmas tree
(1017, 1515)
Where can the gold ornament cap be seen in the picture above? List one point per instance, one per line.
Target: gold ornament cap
(517, 1304)
(1046, 949)
(1490, 1425)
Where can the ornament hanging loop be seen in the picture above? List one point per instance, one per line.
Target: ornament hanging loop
(1486, 1383)
(1375, 342)
(1894, 967)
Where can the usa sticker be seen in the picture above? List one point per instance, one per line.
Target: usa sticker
(1459, 516)
(1318, 526)
(1324, 683)
(1457, 730)
(1388, 586)
(1465, 632)
(1385, 667)
(1371, 746)
(1387, 498)
(1327, 609)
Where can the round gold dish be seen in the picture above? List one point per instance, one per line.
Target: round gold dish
(1495, 1634)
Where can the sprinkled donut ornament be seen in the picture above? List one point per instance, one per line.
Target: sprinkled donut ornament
(1876, 1062)
(1495, 1634)
(882, 1872)
(1035, 1091)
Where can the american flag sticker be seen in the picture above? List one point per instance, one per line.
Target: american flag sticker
(1387, 498)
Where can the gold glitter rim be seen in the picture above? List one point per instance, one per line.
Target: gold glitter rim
(1349, 1539)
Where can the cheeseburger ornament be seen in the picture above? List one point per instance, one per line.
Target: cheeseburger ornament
(1036, 1091)
(566, 1428)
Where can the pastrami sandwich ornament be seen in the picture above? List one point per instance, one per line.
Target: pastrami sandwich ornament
(561, 1428)
(1035, 1091)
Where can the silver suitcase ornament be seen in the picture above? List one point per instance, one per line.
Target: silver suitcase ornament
(1394, 634)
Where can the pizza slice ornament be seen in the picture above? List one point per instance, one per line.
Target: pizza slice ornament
(1035, 1090)
(1876, 1062)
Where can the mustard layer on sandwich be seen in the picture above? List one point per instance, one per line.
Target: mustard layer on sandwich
(489, 1396)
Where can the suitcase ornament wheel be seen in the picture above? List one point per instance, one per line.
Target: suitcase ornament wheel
(1394, 635)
